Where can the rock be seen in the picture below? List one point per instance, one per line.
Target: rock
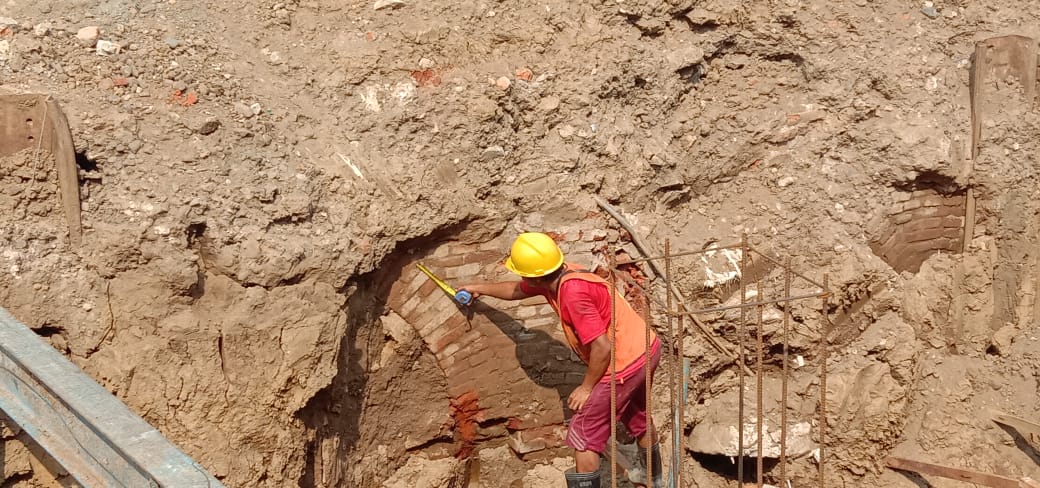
(208, 127)
(42, 29)
(493, 152)
(106, 48)
(683, 57)
(930, 11)
(425, 63)
(502, 83)
(524, 74)
(243, 110)
(8, 23)
(549, 104)
(88, 36)
(1002, 340)
(382, 4)
(5, 49)
(700, 16)
(717, 433)
(786, 181)
(256, 108)
(736, 61)
(172, 42)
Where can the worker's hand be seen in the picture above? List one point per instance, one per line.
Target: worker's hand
(474, 290)
(578, 397)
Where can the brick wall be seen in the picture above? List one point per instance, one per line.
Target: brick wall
(510, 354)
(919, 224)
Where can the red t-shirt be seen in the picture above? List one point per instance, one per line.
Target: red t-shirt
(585, 306)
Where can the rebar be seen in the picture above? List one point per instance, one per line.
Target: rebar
(676, 463)
(824, 350)
(750, 304)
(613, 373)
(681, 325)
(758, 372)
(783, 379)
(679, 254)
(740, 358)
(651, 432)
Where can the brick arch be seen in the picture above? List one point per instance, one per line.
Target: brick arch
(509, 354)
(920, 224)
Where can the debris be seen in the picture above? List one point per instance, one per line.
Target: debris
(786, 181)
(208, 127)
(549, 104)
(524, 74)
(7, 22)
(242, 109)
(5, 49)
(106, 48)
(502, 83)
(736, 61)
(492, 152)
(88, 36)
(929, 10)
(256, 108)
(426, 63)
(172, 42)
(381, 4)
(684, 57)
(42, 29)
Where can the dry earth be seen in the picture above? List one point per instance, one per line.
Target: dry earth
(254, 175)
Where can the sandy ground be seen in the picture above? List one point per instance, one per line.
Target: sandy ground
(248, 170)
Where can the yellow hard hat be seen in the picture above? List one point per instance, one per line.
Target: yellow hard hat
(533, 255)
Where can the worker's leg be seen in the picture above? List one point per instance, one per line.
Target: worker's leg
(587, 433)
(641, 426)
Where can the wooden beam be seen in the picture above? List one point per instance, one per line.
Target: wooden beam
(991, 480)
(1030, 431)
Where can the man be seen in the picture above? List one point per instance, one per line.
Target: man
(582, 300)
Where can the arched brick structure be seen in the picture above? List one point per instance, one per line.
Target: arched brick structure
(919, 224)
(510, 354)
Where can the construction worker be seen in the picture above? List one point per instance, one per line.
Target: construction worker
(582, 300)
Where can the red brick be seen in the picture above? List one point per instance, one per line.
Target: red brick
(437, 316)
(925, 235)
(902, 218)
(484, 257)
(427, 288)
(953, 221)
(445, 336)
(911, 204)
(436, 264)
(402, 290)
(409, 306)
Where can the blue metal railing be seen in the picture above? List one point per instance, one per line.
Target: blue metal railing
(86, 429)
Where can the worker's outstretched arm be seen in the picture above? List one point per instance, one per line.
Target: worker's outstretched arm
(506, 290)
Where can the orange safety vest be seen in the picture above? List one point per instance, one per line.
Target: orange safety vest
(630, 331)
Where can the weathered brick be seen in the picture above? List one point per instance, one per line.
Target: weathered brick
(442, 251)
(954, 201)
(493, 245)
(436, 317)
(444, 336)
(924, 193)
(483, 257)
(911, 204)
(952, 233)
(445, 262)
(932, 201)
(953, 221)
(409, 306)
(926, 212)
(901, 219)
(900, 196)
(403, 289)
(465, 271)
(427, 288)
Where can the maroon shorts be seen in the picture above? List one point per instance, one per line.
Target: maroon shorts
(589, 428)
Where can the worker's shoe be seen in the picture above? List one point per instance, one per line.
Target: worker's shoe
(637, 475)
(581, 480)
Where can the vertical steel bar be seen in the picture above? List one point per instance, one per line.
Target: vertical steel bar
(674, 390)
(613, 370)
(824, 351)
(648, 319)
(783, 379)
(758, 376)
(684, 371)
(740, 359)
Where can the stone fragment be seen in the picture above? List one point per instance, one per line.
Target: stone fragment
(88, 36)
(503, 83)
(382, 4)
(106, 48)
(208, 127)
